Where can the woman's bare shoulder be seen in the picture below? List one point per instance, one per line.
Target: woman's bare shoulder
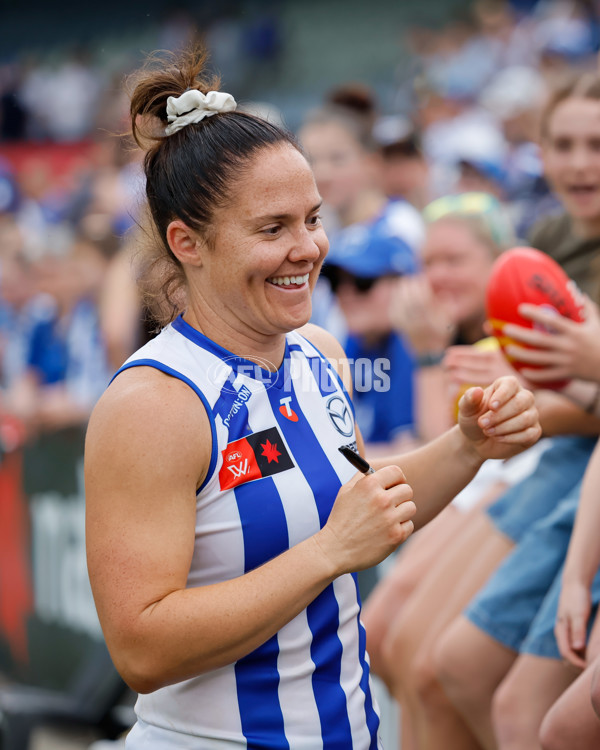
(325, 342)
(331, 348)
(141, 390)
(145, 413)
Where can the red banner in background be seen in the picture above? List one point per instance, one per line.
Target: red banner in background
(61, 160)
(16, 595)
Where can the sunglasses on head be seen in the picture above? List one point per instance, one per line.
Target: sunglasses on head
(338, 277)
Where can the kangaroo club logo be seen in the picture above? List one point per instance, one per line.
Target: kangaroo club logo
(258, 455)
(340, 416)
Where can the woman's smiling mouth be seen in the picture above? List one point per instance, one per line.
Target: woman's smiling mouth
(289, 281)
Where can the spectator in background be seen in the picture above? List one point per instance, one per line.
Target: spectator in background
(565, 36)
(572, 168)
(114, 188)
(443, 305)
(378, 239)
(505, 636)
(358, 99)
(373, 240)
(362, 269)
(516, 96)
(61, 101)
(344, 159)
(573, 721)
(404, 170)
(65, 361)
(462, 142)
(16, 293)
(17, 310)
(573, 351)
(506, 30)
(42, 207)
(341, 154)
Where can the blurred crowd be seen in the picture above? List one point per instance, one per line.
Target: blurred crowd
(421, 195)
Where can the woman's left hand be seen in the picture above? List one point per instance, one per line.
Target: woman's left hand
(500, 420)
(565, 349)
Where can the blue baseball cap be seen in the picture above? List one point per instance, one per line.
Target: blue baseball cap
(491, 170)
(368, 254)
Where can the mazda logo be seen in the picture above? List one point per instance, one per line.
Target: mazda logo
(340, 416)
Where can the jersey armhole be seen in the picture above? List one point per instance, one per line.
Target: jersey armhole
(176, 374)
(334, 372)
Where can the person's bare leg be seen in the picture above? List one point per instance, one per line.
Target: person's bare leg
(470, 665)
(523, 699)
(461, 569)
(595, 690)
(387, 599)
(442, 725)
(572, 723)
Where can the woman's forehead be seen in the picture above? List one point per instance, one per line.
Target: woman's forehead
(273, 178)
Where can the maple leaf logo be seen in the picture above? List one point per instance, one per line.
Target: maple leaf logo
(270, 451)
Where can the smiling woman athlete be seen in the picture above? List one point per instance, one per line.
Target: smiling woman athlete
(223, 525)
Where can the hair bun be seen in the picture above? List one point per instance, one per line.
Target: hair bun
(166, 75)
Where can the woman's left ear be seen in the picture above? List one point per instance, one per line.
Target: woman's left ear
(185, 244)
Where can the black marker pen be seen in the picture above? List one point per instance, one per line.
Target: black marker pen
(356, 460)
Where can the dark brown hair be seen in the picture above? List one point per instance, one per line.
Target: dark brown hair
(356, 98)
(583, 86)
(190, 173)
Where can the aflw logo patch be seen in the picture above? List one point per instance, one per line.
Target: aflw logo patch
(261, 454)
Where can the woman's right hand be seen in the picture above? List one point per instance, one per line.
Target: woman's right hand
(570, 629)
(369, 519)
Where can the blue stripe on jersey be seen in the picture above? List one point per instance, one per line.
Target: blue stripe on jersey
(309, 455)
(326, 653)
(257, 681)
(174, 373)
(323, 613)
(371, 714)
(263, 520)
(265, 533)
(235, 421)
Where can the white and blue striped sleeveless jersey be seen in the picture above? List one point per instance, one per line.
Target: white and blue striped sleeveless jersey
(274, 474)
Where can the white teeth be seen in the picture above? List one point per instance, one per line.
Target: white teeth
(287, 280)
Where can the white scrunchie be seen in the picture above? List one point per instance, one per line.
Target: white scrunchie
(193, 106)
